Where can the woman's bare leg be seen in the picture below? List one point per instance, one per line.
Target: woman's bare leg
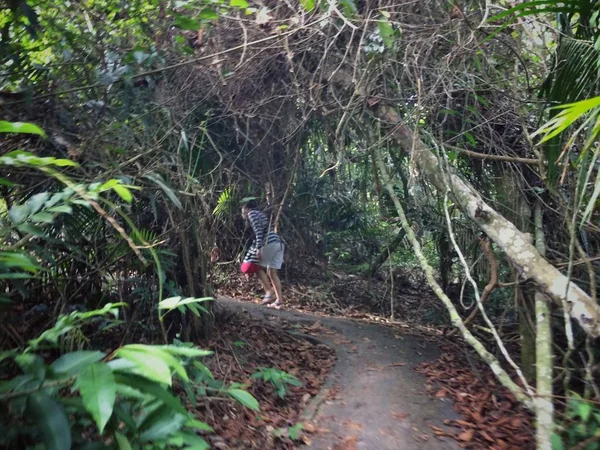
(264, 281)
(276, 282)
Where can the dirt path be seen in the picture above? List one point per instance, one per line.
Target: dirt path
(380, 401)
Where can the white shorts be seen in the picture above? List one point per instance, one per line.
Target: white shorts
(271, 255)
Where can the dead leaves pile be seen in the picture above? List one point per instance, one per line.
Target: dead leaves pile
(243, 345)
(491, 418)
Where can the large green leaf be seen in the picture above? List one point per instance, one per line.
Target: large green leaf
(122, 441)
(50, 419)
(186, 351)
(245, 398)
(18, 260)
(18, 213)
(308, 5)
(386, 31)
(148, 365)
(123, 192)
(98, 391)
(193, 442)
(35, 202)
(164, 355)
(166, 189)
(151, 388)
(161, 424)
(74, 362)
(173, 303)
(20, 127)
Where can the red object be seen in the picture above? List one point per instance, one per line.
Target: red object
(250, 268)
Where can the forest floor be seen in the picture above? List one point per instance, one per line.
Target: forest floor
(395, 384)
(375, 399)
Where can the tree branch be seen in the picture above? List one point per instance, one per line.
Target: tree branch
(514, 243)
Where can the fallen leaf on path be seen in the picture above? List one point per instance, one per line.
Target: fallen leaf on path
(312, 429)
(400, 416)
(384, 432)
(348, 443)
(353, 425)
(441, 393)
(466, 436)
(353, 349)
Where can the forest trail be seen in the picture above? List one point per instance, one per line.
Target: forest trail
(375, 398)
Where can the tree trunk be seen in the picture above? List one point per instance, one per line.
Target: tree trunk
(543, 401)
(517, 245)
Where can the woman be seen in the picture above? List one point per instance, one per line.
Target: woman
(267, 252)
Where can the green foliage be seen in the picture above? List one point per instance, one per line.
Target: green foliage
(89, 395)
(125, 393)
(386, 30)
(112, 389)
(278, 378)
(181, 304)
(226, 204)
(294, 432)
(574, 75)
(244, 398)
(19, 127)
(581, 424)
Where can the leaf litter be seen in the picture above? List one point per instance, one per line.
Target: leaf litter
(491, 417)
(242, 346)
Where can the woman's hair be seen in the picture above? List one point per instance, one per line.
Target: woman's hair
(251, 204)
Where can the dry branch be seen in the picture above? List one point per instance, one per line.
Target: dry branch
(516, 244)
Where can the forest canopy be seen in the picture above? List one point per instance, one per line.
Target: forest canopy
(449, 144)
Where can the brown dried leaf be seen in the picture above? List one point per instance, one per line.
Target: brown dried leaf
(441, 393)
(400, 416)
(466, 436)
(348, 443)
(353, 425)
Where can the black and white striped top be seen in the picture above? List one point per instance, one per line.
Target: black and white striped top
(262, 234)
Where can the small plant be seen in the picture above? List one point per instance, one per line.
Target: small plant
(278, 378)
(293, 432)
(581, 425)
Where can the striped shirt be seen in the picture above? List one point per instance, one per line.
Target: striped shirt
(263, 235)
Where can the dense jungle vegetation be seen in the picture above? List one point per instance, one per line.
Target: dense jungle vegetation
(432, 161)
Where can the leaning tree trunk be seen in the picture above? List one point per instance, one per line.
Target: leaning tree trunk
(485, 355)
(517, 245)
